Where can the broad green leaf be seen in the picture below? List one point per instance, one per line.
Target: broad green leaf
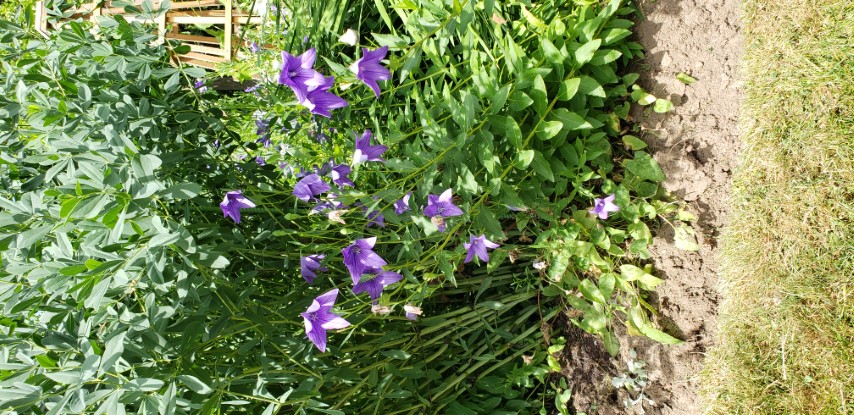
(585, 53)
(633, 143)
(662, 105)
(568, 89)
(514, 134)
(591, 292)
(645, 167)
(540, 96)
(524, 159)
(541, 166)
(685, 238)
(548, 129)
(589, 86)
(143, 384)
(519, 101)
(639, 322)
(571, 120)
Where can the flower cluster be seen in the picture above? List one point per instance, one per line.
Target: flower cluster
(369, 272)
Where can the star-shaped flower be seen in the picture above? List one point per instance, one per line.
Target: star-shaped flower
(369, 70)
(360, 256)
(233, 202)
(309, 264)
(604, 206)
(309, 187)
(320, 101)
(318, 319)
(478, 246)
(298, 73)
(441, 207)
(402, 205)
(365, 151)
(374, 286)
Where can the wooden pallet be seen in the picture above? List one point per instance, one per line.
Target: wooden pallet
(205, 51)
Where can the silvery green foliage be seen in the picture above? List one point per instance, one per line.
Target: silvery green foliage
(635, 380)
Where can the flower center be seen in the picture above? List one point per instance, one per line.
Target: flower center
(292, 74)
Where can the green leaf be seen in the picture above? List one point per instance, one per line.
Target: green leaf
(163, 239)
(144, 384)
(633, 143)
(552, 54)
(195, 384)
(513, 132)
(639, 322)
(685, 238)
(549, 129)
(540, 96)
(31, 236)
(112, 352)
(73, 270)
(590, 86)
(685, 78)
(591, 292)
(645, 167)
(396, 354)
(541, 166)
(585, 53)
(519, 101)
(570, 120)
(662, 105)
(524, 159)
(182, 191)
(568, 89)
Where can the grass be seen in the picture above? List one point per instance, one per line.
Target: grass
(786, 341)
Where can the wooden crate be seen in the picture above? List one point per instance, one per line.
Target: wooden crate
(205, 51)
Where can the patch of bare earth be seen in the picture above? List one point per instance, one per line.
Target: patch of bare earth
(697, 146)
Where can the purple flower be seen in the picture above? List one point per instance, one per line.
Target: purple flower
(374, 218)
(216, 143)
(262, 129)
(360, 256)
(604, 206)
(233, 202)
(320, 101)
(254, 47)
(309, 264)
(309, 187)
(299, 74)
(200, 85)
(260, 160)
(402, 205)
(365, 151)
(369, 70)
(478, 246)
(441, 207)
(318, 319)
(252, 88)
(412, 312)
(374, 286)
(339, 175)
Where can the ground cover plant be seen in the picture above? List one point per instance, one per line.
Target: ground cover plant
(786, 323)
(377, 226)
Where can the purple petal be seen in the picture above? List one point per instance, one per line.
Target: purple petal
(335, 324)
(317, 336)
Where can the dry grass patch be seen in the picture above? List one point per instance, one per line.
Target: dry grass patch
(787, 320)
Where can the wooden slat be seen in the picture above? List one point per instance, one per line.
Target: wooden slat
(211, 19)
(196, 62)
(193, 38)
(229, 27)
(209, 13)
(181, 5)
(207, 50)
(203, 57)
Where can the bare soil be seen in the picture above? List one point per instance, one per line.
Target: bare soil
(697, 145)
